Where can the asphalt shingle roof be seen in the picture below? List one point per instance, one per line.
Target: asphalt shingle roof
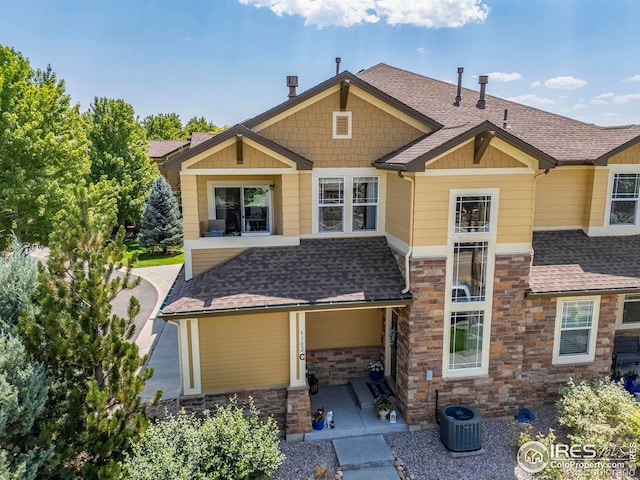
(160, 148)
(563, 138)
(316, 272)
(570, 261)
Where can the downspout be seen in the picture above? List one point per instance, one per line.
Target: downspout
(407, 256)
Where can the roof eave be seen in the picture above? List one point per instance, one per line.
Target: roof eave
(405, 300)
(418, 164)
(354, 80)
(174, 163)
(603, 160)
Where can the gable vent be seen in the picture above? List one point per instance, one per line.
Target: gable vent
(341, 125)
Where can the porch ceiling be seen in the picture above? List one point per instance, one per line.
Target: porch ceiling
(318, 272)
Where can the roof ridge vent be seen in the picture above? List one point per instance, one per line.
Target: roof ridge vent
(459, 94)
(482, 80)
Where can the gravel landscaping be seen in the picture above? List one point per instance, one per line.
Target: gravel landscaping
(424, 456)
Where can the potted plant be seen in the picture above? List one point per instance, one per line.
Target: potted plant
(631, 382)
(376, 370)
(317, 419)
(383, 405)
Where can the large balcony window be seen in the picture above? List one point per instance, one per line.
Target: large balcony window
(245, 209)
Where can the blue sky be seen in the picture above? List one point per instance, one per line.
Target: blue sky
(227, 59)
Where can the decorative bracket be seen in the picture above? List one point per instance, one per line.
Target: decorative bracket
(344, 94)
(481, 145)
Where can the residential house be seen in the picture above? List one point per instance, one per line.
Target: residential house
(160, 151)
(390, 216)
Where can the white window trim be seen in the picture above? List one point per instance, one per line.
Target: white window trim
(348, 174)
(588, 357)
(485, 306)
(336, 115)
(607, 228)
(211, 208)
(620, 312)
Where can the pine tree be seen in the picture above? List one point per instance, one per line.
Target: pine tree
(23, 395)
(95, 410)
(160, 225)
(18, 282)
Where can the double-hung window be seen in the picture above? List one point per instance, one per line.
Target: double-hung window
(348, 204)
(469, 276)
(624, 199)
(576, 330)
(629, 311)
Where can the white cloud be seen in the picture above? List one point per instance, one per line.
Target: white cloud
(579, 106)
(626, 98)
(601, 99)
(565, 83)
(635, 78)
(421, 50)
(504, 77)
(346, 13)
(531, 99)
(535, 84)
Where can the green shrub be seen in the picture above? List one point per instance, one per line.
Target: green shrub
(598, 412)
(233, 442)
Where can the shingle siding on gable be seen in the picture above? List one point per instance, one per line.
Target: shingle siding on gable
(227, 158)
(463, 158)
(630, 156)
(309, 133)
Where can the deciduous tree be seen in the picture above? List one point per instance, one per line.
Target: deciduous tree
(200, 124)
(164, 126)
(118, 151)
(43, 149)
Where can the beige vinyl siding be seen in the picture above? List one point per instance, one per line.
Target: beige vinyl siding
(561, 197)
(190, 216)
(515, 209)
(227, 158)
(398, 208)
(463, 158)
(343, 328)
(232, 359)
(203, 259)
(289, 197)
(309, 132)
(629, 156)
(304, 192)
(596, 197)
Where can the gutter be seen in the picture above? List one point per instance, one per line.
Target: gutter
(407, 256)
(528, 293)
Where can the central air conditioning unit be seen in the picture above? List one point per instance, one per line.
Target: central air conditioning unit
(461, 428)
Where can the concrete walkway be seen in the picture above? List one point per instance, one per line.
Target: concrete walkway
(365, 458)
(159, 339)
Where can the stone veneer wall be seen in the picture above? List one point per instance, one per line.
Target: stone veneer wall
(335, 366)
(541, 380)
(298, 419)
(270, 402)
(522, 330)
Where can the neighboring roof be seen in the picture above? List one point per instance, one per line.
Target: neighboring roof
(318, 272)
(564, 139)
(197, 138)
(237, 130)
(162, 148)
(568, 261)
